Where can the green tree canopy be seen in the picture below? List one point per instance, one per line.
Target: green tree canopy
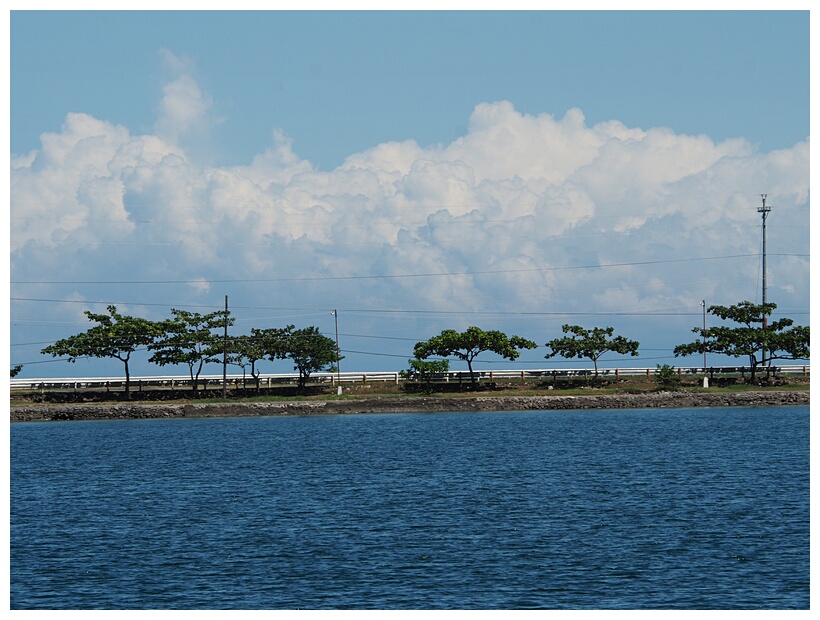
(191, 338)
(590, 344)
(115, 335)
(761, 345)
(309, 350)
(467, 345)
(425, 369)
(243, 352)
(666, 377)
(247, 350)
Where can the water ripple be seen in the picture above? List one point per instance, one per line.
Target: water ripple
(644, 509)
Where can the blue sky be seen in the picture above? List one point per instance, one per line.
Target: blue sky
(339, 83)
(414, 170)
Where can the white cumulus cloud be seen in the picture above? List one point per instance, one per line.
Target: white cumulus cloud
(523, 213)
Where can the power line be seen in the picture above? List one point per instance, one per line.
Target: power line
(397, 276)
(306, 312)
(389, 311)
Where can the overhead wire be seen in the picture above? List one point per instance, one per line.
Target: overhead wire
(395, 276)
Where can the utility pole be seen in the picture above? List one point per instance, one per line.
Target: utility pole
(764, 211)
(338, 356)
(705, 378)
(225, 354)
(703, 303)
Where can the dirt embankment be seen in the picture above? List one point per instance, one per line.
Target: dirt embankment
(112, 411)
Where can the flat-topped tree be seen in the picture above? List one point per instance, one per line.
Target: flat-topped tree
(467, 345)
(590, 344)
(247, 350)
(193, 339)
(243, 352)
(778, 340)
(116, 335)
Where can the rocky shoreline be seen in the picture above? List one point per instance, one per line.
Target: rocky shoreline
(113, 411)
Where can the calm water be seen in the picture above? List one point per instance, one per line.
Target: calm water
(693, 508)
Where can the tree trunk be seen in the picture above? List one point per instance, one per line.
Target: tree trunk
(127, 379)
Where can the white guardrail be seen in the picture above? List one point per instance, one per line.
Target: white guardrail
(267, 380)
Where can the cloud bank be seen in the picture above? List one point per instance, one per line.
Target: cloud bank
(521, 214)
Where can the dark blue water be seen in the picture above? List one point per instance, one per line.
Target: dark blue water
(686, 509)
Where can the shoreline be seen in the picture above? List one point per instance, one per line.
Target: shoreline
(653, 400)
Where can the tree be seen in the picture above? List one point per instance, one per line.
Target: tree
(243, 352)
(116, 336)
(467, 345)
(16, 370)
(190, 338)
(756, 338)
(309, 350)
(666, 377)
(262, 344)
(590, 344)
(425, 369)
